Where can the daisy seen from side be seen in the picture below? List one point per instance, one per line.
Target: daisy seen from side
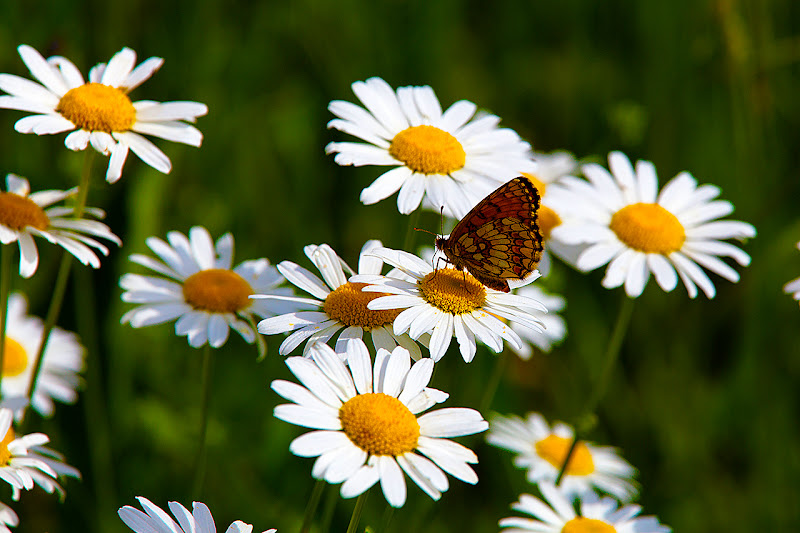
(554, 327)
(541, 450)
(62, 360)
(200, 289)
(446, 302)
(99, 112)
(338, 305)
(25, 462)
(367, 428)
(626, 223)
(25, 215)
(451, 159)
(555, 514)
(550, 168)
(156, 520)
(793, 287)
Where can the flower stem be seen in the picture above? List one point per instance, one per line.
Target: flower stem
(261, 345)
(588, 419)
(356, 518)
(494, 381)
(60, 286)
(311, 506)
(5, 282)
(411, 233)
(200, 461)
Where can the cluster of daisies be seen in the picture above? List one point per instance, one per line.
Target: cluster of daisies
(362, 343)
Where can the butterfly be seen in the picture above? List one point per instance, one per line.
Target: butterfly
(499, 239)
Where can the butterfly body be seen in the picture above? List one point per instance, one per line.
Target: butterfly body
(499, 239)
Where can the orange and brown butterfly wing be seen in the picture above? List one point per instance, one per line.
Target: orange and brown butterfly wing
(499, 239)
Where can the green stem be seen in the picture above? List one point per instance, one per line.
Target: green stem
(356, 518)
(200, 461)
(61, 279)
(326, 517)
(494, 381)
(5, 288)
(311, 507)
(261, 345)
(588, 419)
(411, 233)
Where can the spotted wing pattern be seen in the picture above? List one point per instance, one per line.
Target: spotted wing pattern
(499, 239)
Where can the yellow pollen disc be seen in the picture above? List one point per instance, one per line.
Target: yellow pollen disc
(379, 424)
(554, 449)
(348, 305)
(587, 525)
(648, 228)
(15, 358)
(547, 220)
(539, 184)
(217, 290)
(5, 454)
(453, 291)
(17, 212)
(428, 150)
(98, 107)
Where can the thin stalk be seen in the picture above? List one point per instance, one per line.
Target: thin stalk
(5, 288)
(61, 279)
(311, 506)
(411, 232)
(326, 516)
(494, 381)
(200, 461)
(587, 419)
(356, 518)
(261, 345)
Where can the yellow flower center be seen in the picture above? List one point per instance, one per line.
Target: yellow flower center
(587, 525)
(428, 150)
(348, 305)
(648, 228)
(453, 291)
(547, 220)
(217, 290)
(17, 212)
(15, 358)
(5, 454)
(554, 449)
(379, 424)
(539, 184)
(98, 107)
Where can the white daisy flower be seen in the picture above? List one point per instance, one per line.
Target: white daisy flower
(446, 302)
(24, 216)
(550, 168)
(637, 230)
(24, 462)
(155, 520)
(793, 287)
(555, 327)
(7, 518)
(542, 451)
(452, 158)
(199, 288)
(62, 361)
(555, 514)
(340, 304)
(366, 423)
(99, 112)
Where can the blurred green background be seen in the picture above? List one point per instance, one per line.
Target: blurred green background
(705, 401)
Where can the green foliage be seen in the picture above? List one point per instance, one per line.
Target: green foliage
(705, 399)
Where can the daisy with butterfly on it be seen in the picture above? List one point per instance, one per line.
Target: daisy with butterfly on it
(447, 159)
(625, 222)
(338, 304)
(497, 242)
